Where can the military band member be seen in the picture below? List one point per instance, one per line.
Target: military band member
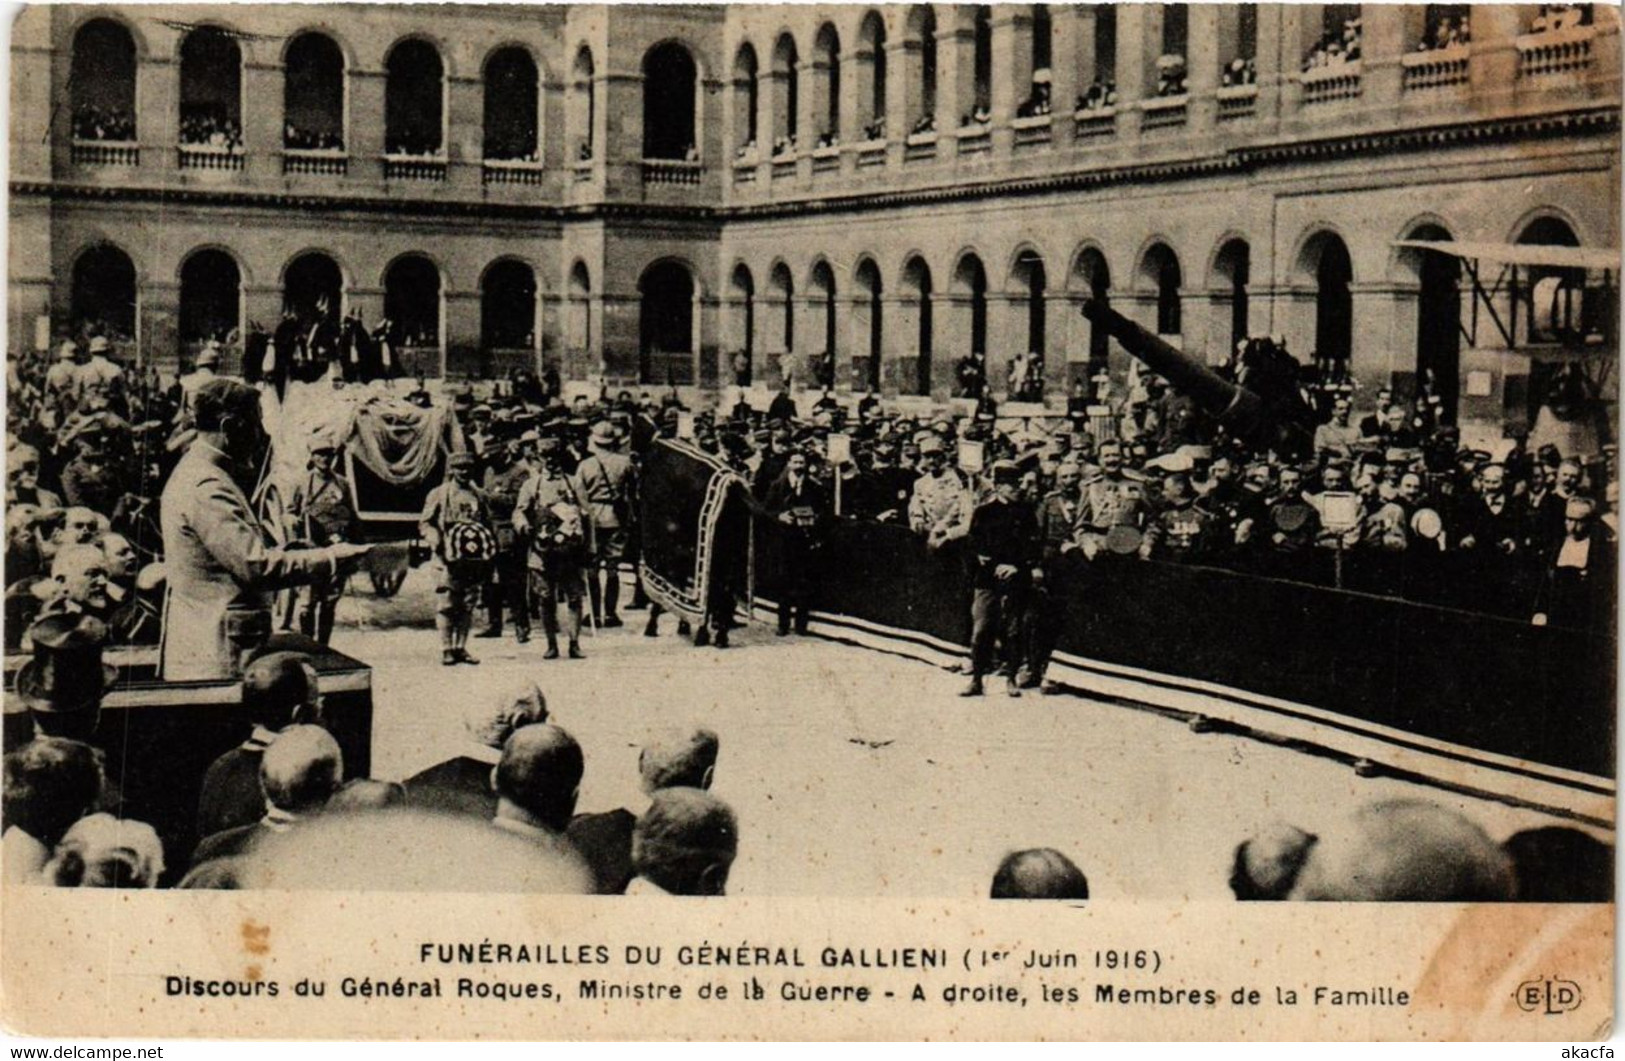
(549, 515)
(505, 475)
(322, 515)
(609, 487)
(456, 524)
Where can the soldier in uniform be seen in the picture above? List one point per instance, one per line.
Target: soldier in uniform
(1113, 499)
(549, 515)
(1057, 516)
(322, 515)
(505, 476)
(609, 487)
(940, 507)
(1183, 528)
(1005, 566)
(458, 578)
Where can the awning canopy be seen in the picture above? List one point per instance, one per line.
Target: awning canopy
(1545, 254)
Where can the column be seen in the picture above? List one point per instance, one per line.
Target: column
(1274, 59)
(1074, 26)
(708, 352)
(1202, 64)
(614, 342)
(956, 76)
(808, 121)
(1006, 337)
(1012, 70)
(1057, 333)
(618, 133)
(1492, 68)
(1131, 68)
(771, 88)
(1194, 322)
(902, 82)
(855, 73)
(1381, 46)
(364, 133)
(158, 304)
(158, 105)
(900, 344)
(1384, 334)
(952, 323)
(465, 134)
(262, 121)
(460, 332)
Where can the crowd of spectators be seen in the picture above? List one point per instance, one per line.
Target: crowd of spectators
(1100, 95)
(1170, 75)
(1336, 47)
(1554, 18)
(416, 145)
(102, 123)
(209, 127)
(925, 123)
(297, 139)
(1239, 72)
(1449, 31)
(1037, 103)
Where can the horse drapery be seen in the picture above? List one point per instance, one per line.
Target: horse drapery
(696, 526)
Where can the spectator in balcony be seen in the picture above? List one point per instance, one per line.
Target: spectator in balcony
(1171, 75)
(296, 139)
(1099, 96)
(747, 151)
(1037, 103)
(95, 123)
(926, 123)
(691, 153)
(1239, 72)
(208, 127)
(1554, 18)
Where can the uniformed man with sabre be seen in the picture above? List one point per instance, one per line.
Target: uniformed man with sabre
(456, 525)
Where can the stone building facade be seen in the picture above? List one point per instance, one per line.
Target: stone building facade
(691, 195)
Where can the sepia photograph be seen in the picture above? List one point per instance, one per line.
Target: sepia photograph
(674, 515)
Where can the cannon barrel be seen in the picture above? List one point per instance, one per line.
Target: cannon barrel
(1238, 410)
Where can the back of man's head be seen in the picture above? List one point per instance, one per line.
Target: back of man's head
(301, 769)
(686, 842)
(1405, 851)
(1040, 873)
(279, 689)
(679, 758)
(1560, 864)
(540, 773)
(492, 722)
(50, 783)
(220, 399)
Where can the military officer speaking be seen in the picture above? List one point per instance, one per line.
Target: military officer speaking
(456, 525)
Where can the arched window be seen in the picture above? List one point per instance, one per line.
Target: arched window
(512, 107)
(982, 62)
(1238, 45)
(821, 298)
(917, 290)
(578, 316)
(869, 287)
(970, 291)
(668, 103)
(101, 82)
(104, 292)
(872, 77)
(922, 76)
(1038, 101)
(211, 89)
(666, 325)
(742, 298)
(746, 96)
(1329, 260)
(1438, 321)
(1233, 270)
(1103, 79)
(508, 307)
(1160, 271)
(1031, 281)
(211, 299)
(827, 83)
(412, 304)
(1336, 39)
(782, 290)
(786, 93)
(414, 100)
(1091, 274)
(1554, 302)
(583, 109)
(313, 288)
(313, 94)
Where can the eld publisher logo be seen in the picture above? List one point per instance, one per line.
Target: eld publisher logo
(1550, 996)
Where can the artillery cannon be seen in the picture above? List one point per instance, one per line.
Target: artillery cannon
(1263, 406)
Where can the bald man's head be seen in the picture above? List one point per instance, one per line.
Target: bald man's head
(679, 758)
(540, 773)
(301, 769)
(686, 842)
(1041, 873)
(492, 722)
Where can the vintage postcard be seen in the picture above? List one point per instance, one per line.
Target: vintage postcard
(911, 521)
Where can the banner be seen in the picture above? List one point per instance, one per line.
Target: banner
(694, 539)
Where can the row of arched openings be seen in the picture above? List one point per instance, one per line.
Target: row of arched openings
(103, 93)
